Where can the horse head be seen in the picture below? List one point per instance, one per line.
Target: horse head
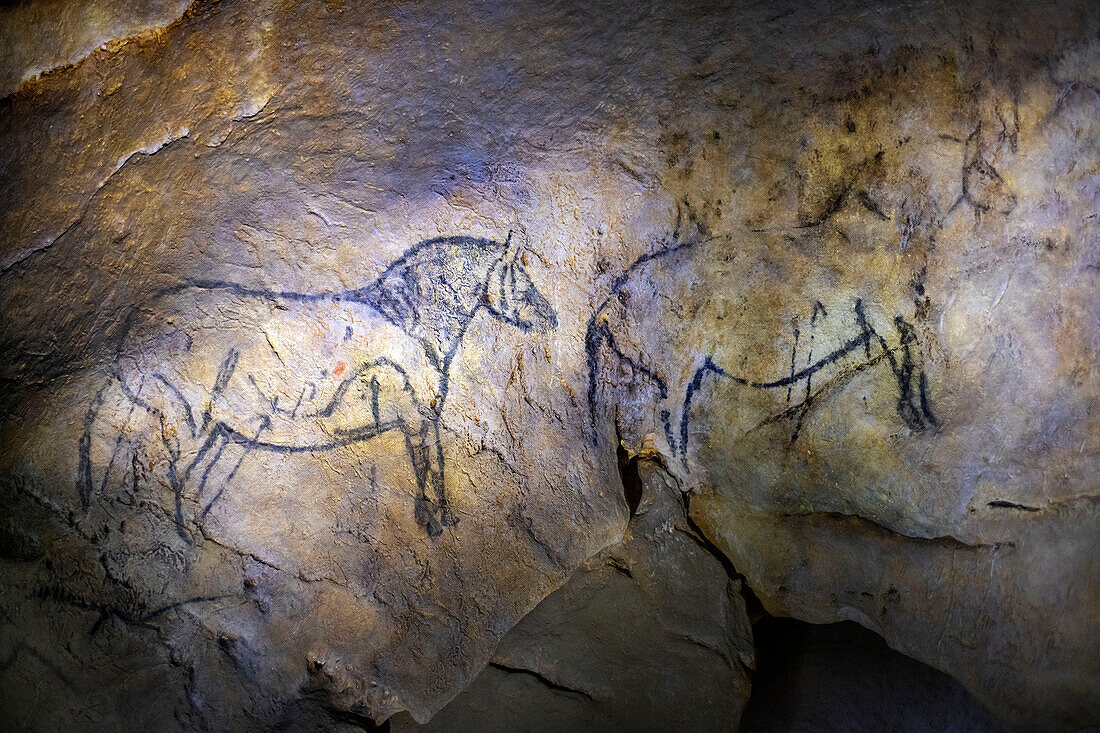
(982, 185)
(513, 298)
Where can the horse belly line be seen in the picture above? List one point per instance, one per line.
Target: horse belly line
(342, 438)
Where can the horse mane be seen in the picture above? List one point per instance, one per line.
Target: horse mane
(435, 281)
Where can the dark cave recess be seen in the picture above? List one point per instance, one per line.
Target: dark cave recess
(842, 677)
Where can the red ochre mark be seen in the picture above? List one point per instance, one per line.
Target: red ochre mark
(340, 367)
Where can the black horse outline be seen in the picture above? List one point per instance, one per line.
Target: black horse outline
(913, 405)
(402, 295)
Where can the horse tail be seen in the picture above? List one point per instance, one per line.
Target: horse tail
(84, 465)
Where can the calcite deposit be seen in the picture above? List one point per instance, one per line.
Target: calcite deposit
(359, 358)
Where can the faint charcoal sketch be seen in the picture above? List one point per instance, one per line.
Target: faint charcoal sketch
(976, 186)
(864, 347)
(383, 354)
(982, 187)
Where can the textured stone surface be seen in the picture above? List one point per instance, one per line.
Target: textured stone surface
(323, 325)
(841, 677)
(650, 634)
(44, 35)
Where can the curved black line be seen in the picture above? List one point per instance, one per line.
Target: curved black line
(341, 437)
(188, 414)
(225, 373)
(197, 599)
(84, 447)
(660, 254)
(925, 407)
(394, 295)
(343, 387)
(692, 388)
(849, 346)
(598, 334)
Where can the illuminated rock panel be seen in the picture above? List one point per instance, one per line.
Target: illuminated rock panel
(327, 329)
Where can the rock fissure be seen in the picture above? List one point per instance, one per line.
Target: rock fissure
(870, 525)
(541, 678)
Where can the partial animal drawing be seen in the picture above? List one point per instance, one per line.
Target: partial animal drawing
(977, 186)
(674, 385)
(225, 370)
(670, 375)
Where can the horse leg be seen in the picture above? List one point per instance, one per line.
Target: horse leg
(416, 442)
(168, 406)
(94, 419)
(249, 446)
(913, 384)
(84, 449)
(693, 386)
(175, 481)
(178, 480)
(435, 478)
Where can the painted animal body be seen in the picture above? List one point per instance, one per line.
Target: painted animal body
(661, 334)
(225, 370)
(702, 310)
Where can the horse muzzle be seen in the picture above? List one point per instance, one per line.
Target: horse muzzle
(537, 314)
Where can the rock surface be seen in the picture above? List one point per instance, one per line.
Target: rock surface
(650, 634)
(323, 326)
(842, 677)
(44, 35)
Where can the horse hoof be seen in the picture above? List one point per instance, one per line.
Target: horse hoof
(425, 516)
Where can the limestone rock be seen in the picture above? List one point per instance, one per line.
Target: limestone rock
(1010, 620)
(323, 325)
(40, 37)
(650, 634)
(841, 677)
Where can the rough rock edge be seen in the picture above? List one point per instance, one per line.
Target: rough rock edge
(34, 74)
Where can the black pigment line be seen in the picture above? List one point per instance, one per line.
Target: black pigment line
(598, 334)
(1002, 504)
(197, 599)
(84, 462)
(225, 373)
(818, 309)
(432, 291)
(375, 410)
(794, 353)
(213, 462)
(264, 424)
(925, 407)
(188, 415)
(851, 345)
(696, 381)
(870, 205)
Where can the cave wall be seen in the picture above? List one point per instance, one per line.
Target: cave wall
(330, 331)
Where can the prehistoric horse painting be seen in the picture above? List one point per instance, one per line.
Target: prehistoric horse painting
(225, 370)
(659, 365)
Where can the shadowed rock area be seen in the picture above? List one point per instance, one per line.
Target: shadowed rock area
(650, 634)
(842, 677)
(376, 363)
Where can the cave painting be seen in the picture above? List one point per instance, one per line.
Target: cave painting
(668, 376)
(222, 370)
(671, 387)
